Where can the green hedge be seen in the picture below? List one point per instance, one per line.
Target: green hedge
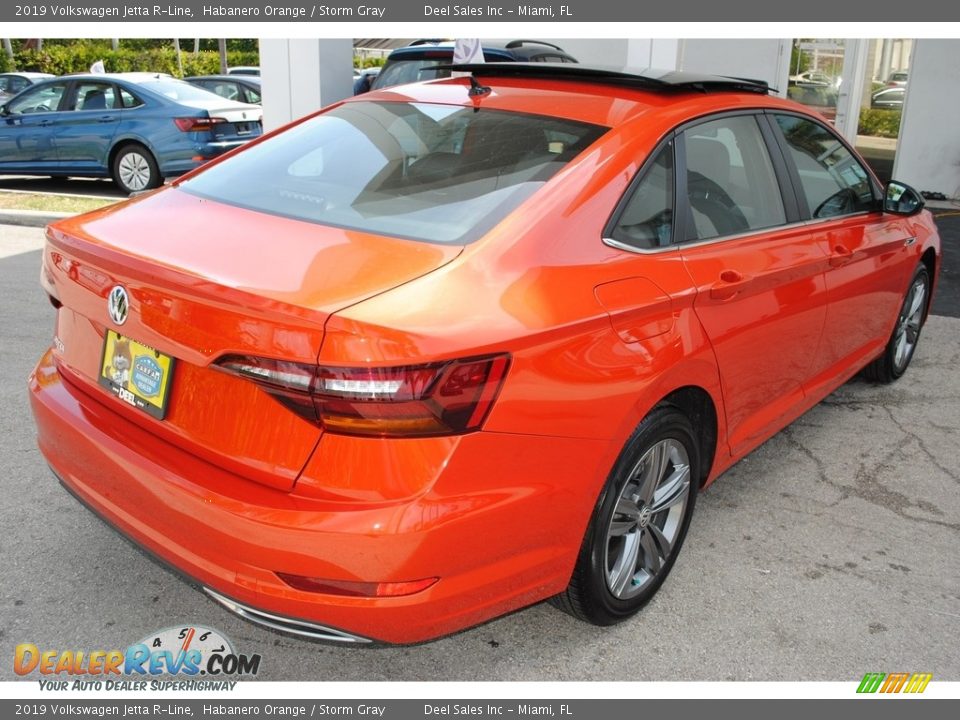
(78, 57)
(879, 122)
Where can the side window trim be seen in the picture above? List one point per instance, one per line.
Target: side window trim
(781, 140)
(683, 210)
(794, 201)
(806, 210)
(635, 181)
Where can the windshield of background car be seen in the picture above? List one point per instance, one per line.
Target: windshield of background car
(439, 173)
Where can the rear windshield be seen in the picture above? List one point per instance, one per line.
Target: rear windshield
(401, 72)
(439, 173)
(177, 89)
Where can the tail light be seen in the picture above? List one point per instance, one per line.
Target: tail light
(444, 398)
(198, 124)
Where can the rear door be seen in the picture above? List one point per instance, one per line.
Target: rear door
(85, 130)
(760, 288)
(869, 263)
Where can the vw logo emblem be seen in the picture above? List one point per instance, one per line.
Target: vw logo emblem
(117, 305)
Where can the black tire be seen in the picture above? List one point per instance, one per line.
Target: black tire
(903, 340)
(135, 169)
(606, 586)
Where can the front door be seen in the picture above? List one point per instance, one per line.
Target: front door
(27, 128)
(869, 257)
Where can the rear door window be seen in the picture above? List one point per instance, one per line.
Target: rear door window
(731, 183)
(94, 96)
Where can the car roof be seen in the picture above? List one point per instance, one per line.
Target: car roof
(27, 74)
(134, 77)
(254, 79)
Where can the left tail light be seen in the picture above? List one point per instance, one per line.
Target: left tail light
(445, 398)
(198, 124)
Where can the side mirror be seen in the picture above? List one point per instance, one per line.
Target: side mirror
(901, 199)
(4, 111)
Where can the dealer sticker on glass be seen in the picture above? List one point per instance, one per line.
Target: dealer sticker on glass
(136, 373)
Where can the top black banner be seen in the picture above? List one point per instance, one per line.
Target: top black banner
(739, 11)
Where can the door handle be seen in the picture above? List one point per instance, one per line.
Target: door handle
(841, 255)
(731, 283)
(107, 118)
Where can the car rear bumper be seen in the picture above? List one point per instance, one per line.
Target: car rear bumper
(496, 540)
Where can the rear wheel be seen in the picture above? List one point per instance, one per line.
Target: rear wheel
(906, 333)
(639, 523)
(134, 169)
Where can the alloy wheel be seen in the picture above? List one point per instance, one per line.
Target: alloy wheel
(647, 519)
(909, 323)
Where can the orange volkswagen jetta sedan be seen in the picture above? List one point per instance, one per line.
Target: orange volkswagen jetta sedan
(447, 350)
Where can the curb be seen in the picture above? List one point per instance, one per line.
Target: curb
(31, 218)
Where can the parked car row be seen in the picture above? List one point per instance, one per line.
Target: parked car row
(137, 128)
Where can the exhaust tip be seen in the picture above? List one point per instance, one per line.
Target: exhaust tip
(303, 628)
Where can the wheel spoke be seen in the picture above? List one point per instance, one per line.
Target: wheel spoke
(673, 490)
(901, 348)
(651, 553)
(653, 469)
(620, 577)
(663, 544)
(916, 302)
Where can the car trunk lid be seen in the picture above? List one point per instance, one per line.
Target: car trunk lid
(229, 281)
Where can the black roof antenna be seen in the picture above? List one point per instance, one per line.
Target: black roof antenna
(476, 89)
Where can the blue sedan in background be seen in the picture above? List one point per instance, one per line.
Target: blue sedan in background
(137, 128)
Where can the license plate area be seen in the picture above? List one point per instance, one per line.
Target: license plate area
(136, 373)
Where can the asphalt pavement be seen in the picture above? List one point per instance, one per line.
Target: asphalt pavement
(829, 552)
